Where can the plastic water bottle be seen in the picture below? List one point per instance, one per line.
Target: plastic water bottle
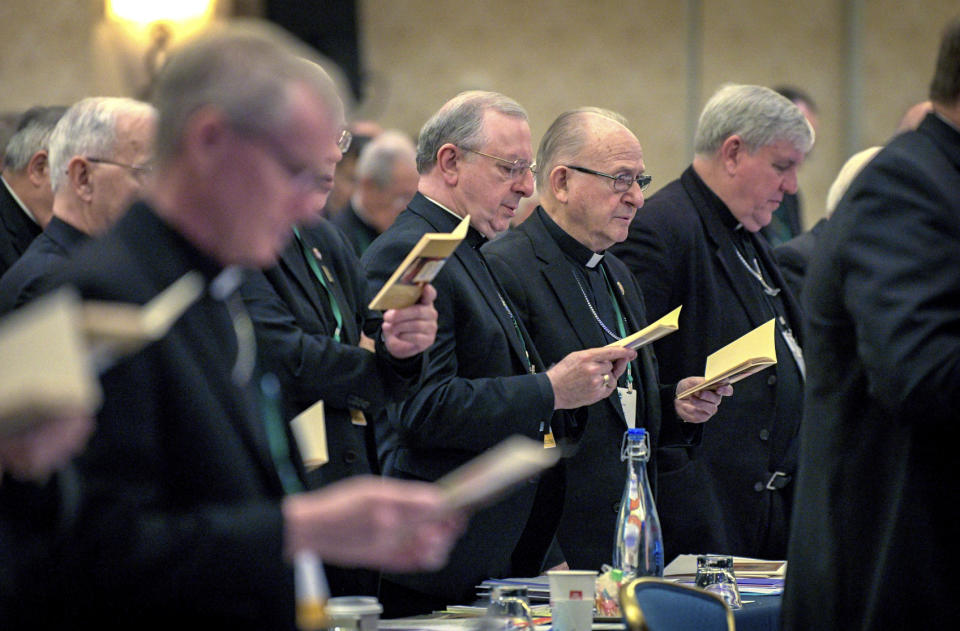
(638, 546)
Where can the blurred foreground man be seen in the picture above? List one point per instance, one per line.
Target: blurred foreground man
(485, 379)
(99, 153)
(873, 533)
(189, 515)
(572, 294)
(696, 244)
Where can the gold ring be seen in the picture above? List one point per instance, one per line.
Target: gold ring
(606, 380)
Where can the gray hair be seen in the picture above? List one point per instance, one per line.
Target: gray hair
(32, 135)
(378, 157)
(89, 128)
(756, 114)
(566, 138)
(460, 122)
(244, 70)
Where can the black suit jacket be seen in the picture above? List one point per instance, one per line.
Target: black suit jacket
(17, 230)
(31, 275)
(476, 392)
(872, 546)
(295, 328)
(359, 233)
(794, 256)
(537, 275)
(180, 523)
(682, 254)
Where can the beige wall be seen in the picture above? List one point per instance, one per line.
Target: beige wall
(634, 57)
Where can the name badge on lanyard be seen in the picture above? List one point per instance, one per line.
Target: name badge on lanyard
(628, 401)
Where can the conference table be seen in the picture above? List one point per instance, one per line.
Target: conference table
(759, 613)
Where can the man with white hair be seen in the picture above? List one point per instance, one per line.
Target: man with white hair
(25, 196)
(386, 181)
(99, 155)
(696, 244)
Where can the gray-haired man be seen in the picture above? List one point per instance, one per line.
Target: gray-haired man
(695, 244)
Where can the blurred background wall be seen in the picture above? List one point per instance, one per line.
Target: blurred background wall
(655, 61)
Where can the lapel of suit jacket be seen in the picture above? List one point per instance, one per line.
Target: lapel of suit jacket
(474, 265)
(557, 273)
(314, 240)
(726, 254)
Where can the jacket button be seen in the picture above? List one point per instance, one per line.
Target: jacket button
(350, 456)
(764, 434)
(759, 486)
(772, 379)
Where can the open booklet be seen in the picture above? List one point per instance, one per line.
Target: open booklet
(419, 267)
(53, 348)
(492, 473)
(740, 358)
(664, 326)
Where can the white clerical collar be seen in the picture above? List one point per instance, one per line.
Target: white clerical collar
(23, 206)
(459, 218)
(594, 260)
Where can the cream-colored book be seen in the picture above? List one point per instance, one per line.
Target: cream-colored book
(44, 371)
(740, 358)
(115, 329)
(310, 431)
(664, 326)
(419, 267)
(492, 473)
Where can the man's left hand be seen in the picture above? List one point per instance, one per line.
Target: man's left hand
(699, 407)
(411, 330)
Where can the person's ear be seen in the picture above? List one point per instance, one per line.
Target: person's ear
(559, 183)
(205, 139)
(79, 178)
(732, 152)
(38, 169)
(450, 162)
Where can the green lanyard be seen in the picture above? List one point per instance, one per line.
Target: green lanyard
(277, 435)
(620, 320)
(312, 263)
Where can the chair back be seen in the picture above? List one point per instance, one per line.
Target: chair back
(655, 604)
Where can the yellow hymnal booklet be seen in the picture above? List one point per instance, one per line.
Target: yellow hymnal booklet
(45, 372)
(420, 267)
(664, 326)
(493, 472)
(740, 358)
(310, 430)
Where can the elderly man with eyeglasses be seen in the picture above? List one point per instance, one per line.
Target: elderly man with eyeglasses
(696, 244)
(485, 379)
(571, 293)
(98, 158)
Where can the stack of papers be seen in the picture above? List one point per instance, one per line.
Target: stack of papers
(538, 588)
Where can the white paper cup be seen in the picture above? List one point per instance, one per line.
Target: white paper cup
(572, 584)
(572, 615)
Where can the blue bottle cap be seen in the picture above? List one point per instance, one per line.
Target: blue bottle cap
(636, 433)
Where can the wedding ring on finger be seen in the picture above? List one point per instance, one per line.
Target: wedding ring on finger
(606, 380)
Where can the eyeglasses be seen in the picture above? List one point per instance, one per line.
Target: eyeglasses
(512, 168)
(139, 170)
(622, 182)
(344, 141)
(302, 177)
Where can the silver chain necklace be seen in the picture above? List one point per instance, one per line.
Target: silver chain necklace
(755, 272)
(592, 310)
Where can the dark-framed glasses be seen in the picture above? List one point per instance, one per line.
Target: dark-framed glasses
(138, 170)
(622, 182)
(512, 168)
